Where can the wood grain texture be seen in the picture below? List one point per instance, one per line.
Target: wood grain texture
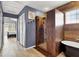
(50, 29)
(54, 32)
(69, 6)
(71, 31)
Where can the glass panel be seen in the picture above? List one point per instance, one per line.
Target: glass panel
(73, 12)
(71, 17)
(77, 10)
(77, 16)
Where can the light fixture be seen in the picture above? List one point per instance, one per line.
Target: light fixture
(13, 19)
(46, 9)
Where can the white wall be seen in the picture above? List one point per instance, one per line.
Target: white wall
(0, 26)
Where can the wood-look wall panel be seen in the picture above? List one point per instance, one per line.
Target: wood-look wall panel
(50, 24)
(71, 27)
(54, 31)
(71, 32)
(69, 6)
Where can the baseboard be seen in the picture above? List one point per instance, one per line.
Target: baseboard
(30, 47)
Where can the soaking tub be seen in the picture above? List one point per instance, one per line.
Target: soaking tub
(70, 48)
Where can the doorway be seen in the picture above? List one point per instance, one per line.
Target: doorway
(9, 37)
(41, 41)
(9, 27)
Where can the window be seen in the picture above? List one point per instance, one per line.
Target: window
(77, 16)
(71, 17)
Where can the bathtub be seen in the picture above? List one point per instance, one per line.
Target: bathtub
(70, 48)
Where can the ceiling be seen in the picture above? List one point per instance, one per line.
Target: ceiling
(14, 7)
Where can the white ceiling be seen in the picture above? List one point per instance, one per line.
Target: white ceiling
(15, 7)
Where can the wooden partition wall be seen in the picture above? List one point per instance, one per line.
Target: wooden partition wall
(54, 23)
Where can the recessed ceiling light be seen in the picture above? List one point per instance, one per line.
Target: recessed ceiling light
(46, 9)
